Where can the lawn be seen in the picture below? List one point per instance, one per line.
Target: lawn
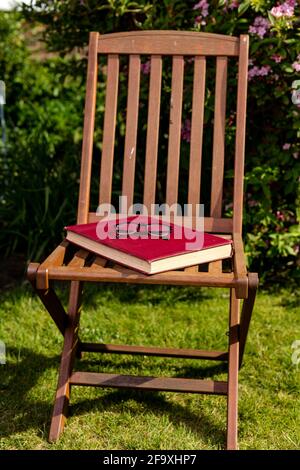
(269, 409)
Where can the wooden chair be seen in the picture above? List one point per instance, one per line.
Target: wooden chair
(61, 265)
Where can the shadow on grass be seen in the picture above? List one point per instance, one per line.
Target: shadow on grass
(133, 294)
(192, 370)
(199, 424)
(19, 412)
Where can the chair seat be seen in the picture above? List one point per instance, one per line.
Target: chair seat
(66, 263)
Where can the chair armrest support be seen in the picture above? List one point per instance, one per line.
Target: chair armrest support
(56, 258)
(239, 267)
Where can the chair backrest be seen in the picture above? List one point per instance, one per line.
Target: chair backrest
(178, 45)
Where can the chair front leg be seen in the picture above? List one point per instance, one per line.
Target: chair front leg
(49, 299)
(246, 314)
(67, 361)
(233, 367)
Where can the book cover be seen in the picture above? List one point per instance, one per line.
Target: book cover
(147, 239)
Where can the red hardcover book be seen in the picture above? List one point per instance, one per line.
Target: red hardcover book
(149, 245)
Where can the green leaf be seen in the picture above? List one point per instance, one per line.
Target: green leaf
(254, 46)
(243, 7)
(287, 68)
(271, 18)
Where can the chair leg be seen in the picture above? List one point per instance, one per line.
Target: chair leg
(247, 309)
(233, 367)
(49, 299)
(66, 365)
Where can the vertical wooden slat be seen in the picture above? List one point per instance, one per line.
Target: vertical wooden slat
(240, 135)
(215, 267)
(219, 138)
(152, 131)
(131, 127)
(196, 138)
(197, 130)
(175, 130)
(88, 131)
(109, 128)
(218, 149)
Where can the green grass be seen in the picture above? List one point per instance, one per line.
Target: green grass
(269, 410)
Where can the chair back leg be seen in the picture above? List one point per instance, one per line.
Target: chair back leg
(233, 368)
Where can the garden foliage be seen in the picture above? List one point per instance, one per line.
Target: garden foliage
(40, 162)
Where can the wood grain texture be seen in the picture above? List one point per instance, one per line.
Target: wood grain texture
(233, 370)
(152, 131)
(219, 138)
(62, 398)
(131, 127)
(88, 131)
(215, 267)
(246, 314)
(112, 83)
(168, 42)
(239, 162)
(166, 384)
(197, 131)
(239, 267)
(126, 275)
(79, 258)
(174, 130)
(56, 258)
(211, 224)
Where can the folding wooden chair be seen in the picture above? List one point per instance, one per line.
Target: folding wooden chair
(61, 266)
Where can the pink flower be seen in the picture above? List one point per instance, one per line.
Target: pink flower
(186, 130)
(259, 71)
(264, 70)
(277, 58)
(280, 216)
(260, 26)
(203, 6)
(296, 66)
(234, 4)
(285, 9)
(286, 146)
(252, 203)
(145, 68)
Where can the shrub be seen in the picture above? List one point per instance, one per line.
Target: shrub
(273, 121)
(39, 167)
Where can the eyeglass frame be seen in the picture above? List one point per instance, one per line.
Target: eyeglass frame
(158, 234)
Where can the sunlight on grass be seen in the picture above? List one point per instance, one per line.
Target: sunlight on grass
(269, 410)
